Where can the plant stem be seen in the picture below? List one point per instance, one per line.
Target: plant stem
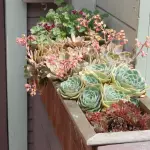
(139, 51)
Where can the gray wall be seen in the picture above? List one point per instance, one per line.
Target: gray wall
(123, 14)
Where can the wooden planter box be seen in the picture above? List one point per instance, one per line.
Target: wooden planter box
(73, 129)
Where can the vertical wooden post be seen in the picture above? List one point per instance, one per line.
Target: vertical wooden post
(143, 31)
(16, 24)
(3, 82)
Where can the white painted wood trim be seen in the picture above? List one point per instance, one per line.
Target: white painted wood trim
(16, 24)
(143, 31)
(119, 137)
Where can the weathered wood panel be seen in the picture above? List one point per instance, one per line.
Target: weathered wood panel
(43, 136)
(116, 24)
(126, 11)
(79, 4)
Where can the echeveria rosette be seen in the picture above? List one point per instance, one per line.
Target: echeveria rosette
(90, 99)
(101, 71)
(111, 94)
(129, 80)
(88, 78)
(71, 88)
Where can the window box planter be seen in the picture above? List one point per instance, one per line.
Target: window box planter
(74, 130)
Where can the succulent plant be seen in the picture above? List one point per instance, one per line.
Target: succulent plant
(101, 71)
(71, 88)
(112, 95)
(76, 41)
(128, 80)
(88, 78)
(114, 54)
(120, 116)
(135, 101)
(90, 99)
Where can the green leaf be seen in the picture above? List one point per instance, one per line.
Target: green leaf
(42, 19)
(96, 12)
(82, 29)
(59, 2)
(105, 15)
(51, 15)
(87, 11)
(66, 8)
(66, 15)
(56, 31)
(36, 29)
(91, 24)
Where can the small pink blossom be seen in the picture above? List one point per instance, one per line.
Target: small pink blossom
(138, 44)
(143, 54)
(21, 41)
(147, 43)
(74, 11)
(28, 87)
(96, 45)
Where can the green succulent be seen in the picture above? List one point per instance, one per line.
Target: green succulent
(114, 58)
(90, 99)
(88, 78)
(135, 101)
(112, 94)
(101, 71)
(129, 80)
(71, 88)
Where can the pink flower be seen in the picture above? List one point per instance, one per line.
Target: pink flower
(52, 60)
(21, 41)
(138, 44)
(81, 12)
(28, 87)
(147, 43)
(96, 45)
(74, 12)
(143, 54)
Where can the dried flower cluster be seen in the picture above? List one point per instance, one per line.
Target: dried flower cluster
(121, 116)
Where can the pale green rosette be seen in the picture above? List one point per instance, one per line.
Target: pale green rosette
(71, 88)
(88, 78)
(101, 71)
(90, 99)
(112, 95)
(129, 80)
